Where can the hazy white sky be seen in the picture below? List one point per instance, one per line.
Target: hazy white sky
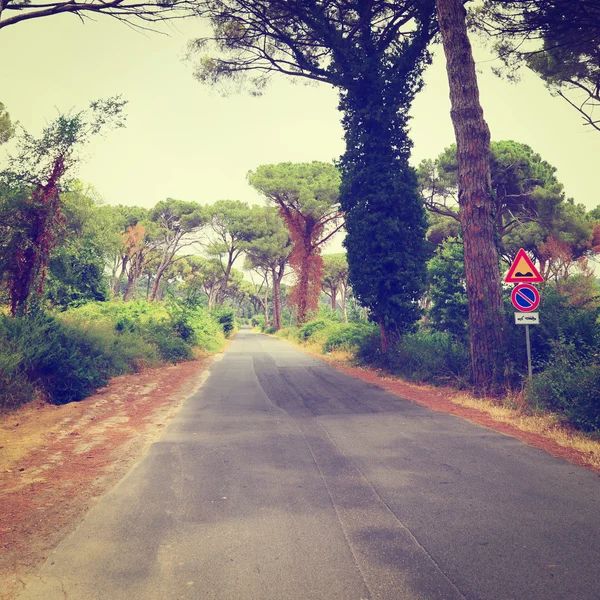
(184, 141)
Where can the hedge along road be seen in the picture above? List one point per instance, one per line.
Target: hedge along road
(283, 479)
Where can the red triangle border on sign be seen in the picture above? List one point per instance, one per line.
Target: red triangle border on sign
(535, 276)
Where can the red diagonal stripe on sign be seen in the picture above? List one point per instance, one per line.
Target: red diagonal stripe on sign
(524, 297)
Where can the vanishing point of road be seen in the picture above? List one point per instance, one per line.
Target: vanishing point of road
(284, 479)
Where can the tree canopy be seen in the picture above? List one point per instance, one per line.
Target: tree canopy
(558, 39)
(530, 203)
(138, 13)
(7, 127)
(307, 197)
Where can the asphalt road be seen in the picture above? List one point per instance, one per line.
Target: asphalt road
(283, 479)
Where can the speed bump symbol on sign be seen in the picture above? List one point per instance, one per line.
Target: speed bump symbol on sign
(523, 270)
(525, 297)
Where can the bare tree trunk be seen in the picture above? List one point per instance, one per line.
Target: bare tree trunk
(385, 343)
(344, 301)
(130, 287)
(477, 209)
(277, 277)
(266, 309)
(118, 280)
(334, 299)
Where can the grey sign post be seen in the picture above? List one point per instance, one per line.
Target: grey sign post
(527, 319)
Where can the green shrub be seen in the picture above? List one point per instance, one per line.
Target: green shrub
(569, 384)
(171, 347)
(308, 330)
(15, 387)
(65, 363)
(258, 321)
(68, 356)
(433, 357)
(348, 336)
(286, 332)
(226, 318)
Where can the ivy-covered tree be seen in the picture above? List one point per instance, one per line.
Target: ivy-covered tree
(31, 206)
(373, 53)
(307, 197)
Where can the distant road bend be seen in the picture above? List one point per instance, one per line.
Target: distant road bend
(284, 479)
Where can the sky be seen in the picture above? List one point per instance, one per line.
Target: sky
(183, 140)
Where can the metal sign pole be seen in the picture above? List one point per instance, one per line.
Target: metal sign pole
(528, 352)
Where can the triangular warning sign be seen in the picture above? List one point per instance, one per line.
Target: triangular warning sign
(523, 270)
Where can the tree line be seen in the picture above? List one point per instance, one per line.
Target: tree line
(374, 54)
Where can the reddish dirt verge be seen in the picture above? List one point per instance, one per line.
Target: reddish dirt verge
(440, 399)
(55, 461)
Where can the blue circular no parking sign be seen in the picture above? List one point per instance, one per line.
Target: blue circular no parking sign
(525, 297)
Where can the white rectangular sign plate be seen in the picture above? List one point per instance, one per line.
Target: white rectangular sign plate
(531, 318)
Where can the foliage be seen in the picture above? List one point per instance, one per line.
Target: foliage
(530, 201)
(76, 270)
(335, 280)
(233, 225)
(306, 195)
(424, 356)
(308, 330)
(30, 203)
(447, 293)
(374, 54)
(386, 247)
(176, 221)
(348, 336)
(557, 39)
(68, 356)
(7, 127)
(64, 361)
(569, 384)
(270, 252)
(226, 318)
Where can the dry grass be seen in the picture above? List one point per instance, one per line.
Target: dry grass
(512, 410)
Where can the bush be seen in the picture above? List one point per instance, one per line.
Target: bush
(60, 360)
(68, 356)
(226, 319)
(258, 321)
(432, 357)
(171, 348)
(15, 387)
(348, 336)
(568, 384)
(308, 330)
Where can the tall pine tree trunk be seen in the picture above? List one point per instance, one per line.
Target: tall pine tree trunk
(276, 298)
(477, 210)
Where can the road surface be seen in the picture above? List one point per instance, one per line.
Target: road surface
(283, 479)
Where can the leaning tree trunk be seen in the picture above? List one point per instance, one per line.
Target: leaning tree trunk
(477, 210)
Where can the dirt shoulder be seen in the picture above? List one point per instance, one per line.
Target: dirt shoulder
(56, 461)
